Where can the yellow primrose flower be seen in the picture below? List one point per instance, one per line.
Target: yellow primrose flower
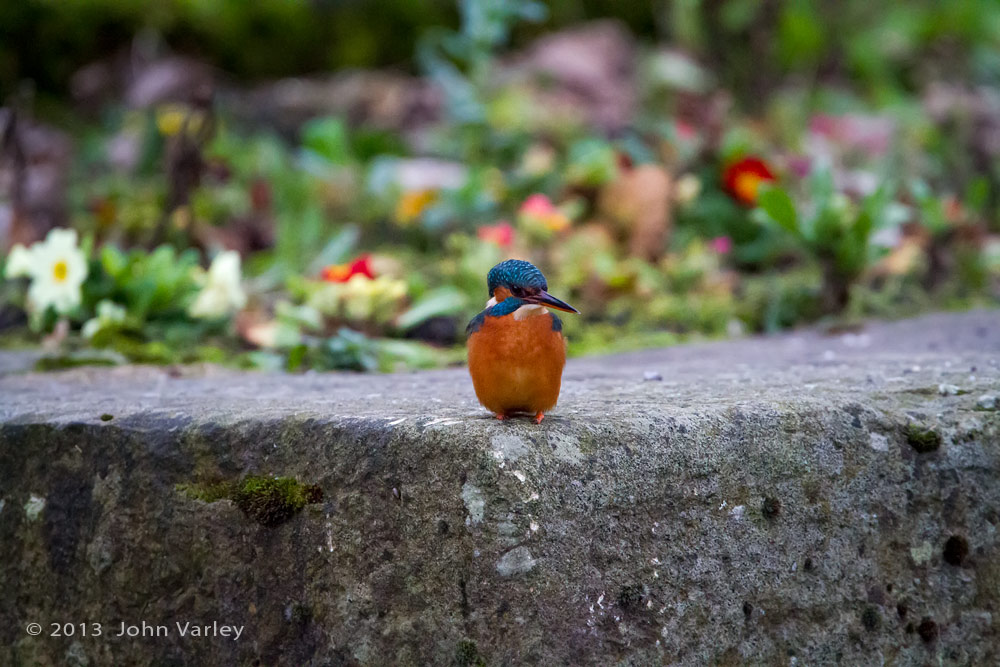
(538, 160)
(413, 203)
(57, 269)
(171, 119)
(364, 297)
(687, 189)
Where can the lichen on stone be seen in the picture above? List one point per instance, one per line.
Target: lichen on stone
(34, 507)
(475, 502)
(516, 561)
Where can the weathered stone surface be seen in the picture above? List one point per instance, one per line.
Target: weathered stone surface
(766, 501)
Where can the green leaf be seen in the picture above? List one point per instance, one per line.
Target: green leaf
(327, 138)
(441, 301)
(592, 162)
(113, 261)
(336, 249)
(778, 206)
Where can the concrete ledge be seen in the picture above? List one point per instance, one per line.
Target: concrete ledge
(802, 498)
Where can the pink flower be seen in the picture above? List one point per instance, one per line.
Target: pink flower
(868, 133)
(685, 130)
(537, 205)
(501, 234)
(721, 244)
(799, 166)
(538, 213)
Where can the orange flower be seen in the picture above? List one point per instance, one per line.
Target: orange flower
(341, 273)
(742, 179)
(413, 203)
(537, 211)
(502, 234)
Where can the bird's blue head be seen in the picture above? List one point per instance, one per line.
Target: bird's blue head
(522, 280)
(516, 276)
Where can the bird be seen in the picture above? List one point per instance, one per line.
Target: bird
(516, 346)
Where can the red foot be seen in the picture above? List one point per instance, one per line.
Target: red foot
(501, 417)
(539, 417)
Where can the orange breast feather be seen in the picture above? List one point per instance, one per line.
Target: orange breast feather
(517, 365)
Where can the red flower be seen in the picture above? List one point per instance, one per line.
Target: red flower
(341, 273)
(742, 179)
(501, 234)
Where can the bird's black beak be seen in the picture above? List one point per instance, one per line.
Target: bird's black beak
(549, 301)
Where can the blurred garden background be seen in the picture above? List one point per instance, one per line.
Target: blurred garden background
(323, 184)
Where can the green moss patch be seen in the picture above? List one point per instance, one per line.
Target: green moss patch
(467, 654)
(269, 501)
(207, 492)
(922, 439)
(274, 500)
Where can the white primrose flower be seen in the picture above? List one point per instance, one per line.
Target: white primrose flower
(221, 293)
(19, 262)
(109, 314)
(57, 269)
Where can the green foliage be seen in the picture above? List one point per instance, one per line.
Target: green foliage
(300, 211)
(349, 350)
(436, 303)
(461, 64)
(592, 162)
(831, 229)
(327, 139)
(882, 49)
(154, 286)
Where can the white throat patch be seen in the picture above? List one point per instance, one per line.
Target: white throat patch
(530, 310)
(522, 313)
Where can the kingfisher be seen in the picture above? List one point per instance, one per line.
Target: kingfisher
(516, 346)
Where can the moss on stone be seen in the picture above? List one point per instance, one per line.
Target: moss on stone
(922, 439)
(871, 619)
(630, 596)
(47, 364)
(274, 500)
(267, 500)
(467, 654)
(206, 492)
(771, 507)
